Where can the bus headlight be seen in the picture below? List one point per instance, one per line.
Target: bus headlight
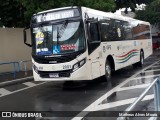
(35, 68)
(79, 64)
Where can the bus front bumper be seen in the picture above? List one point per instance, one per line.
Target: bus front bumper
(80, 74)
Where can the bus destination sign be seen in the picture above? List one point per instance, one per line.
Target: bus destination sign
(55, 15)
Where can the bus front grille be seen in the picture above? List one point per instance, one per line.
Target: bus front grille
(47, 74)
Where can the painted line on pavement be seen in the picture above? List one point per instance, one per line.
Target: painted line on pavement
(29, 84)
(21, 89)
(121, 102)
(155, 66)
(16, 81)
(92, 106)
(149, 76)
(4, 92)
(146, 71)
(133, 87)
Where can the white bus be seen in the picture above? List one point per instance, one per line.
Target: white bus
(79, 43)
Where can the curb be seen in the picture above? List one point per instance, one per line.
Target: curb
(16, 81)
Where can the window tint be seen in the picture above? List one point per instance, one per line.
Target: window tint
(127, 31)
(94, 33)
(104, 26)
(141, 31)
(118, 30)
(111, 30)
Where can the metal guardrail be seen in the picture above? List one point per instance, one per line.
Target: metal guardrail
(17, 67)
(156, 85)
(24, 64)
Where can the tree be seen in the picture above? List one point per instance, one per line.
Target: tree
(130, 4)
(37, 6)
(151, 13)
(17, 13)
(10, 14)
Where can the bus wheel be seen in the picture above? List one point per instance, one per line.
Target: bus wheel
(141, 62)
(108, 70)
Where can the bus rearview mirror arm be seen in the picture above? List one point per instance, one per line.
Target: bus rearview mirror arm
(25, 37)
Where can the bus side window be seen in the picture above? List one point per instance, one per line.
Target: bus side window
(127, 30)
(118, 30)
(111, 30)
(94, 32)
(104, 26)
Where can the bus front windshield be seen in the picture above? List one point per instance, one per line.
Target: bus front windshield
(67, 37)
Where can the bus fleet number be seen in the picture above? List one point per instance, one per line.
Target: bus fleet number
(66, 66)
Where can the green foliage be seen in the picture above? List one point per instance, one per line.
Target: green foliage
(10, 14)
(151, 13)
(17, 13)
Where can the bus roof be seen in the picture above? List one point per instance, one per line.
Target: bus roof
(62, 8)
(112, 15)
(97, 12)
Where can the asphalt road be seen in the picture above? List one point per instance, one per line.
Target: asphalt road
(66, 103)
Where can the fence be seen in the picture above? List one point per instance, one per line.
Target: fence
(17, 67)
(156, 85)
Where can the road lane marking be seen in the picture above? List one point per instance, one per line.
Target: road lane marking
(146, 71)
(155, 66)
(22, 89)
(29, 84)
(4, 92)
(146, 76)
(99, 100)
(121, 102)
(133, 87)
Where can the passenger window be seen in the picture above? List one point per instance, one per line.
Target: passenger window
(111, 30)
(104, 25)
(94, 32)
(141, 31)
(127, 31)
(118, 30)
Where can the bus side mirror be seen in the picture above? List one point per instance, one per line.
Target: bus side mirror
(25, 37)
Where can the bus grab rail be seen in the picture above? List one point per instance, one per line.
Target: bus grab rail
(156, 85)
(15, 69)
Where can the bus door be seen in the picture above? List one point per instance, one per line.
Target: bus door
(94, 47)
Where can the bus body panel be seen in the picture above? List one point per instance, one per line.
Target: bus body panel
(79, 74)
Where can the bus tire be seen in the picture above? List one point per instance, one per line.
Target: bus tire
(141, 62)
(108, 71)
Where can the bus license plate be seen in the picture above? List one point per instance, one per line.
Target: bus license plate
(53, 75)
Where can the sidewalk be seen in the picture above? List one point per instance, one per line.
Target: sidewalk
(10, 76)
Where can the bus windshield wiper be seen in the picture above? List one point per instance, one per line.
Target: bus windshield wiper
(61, 30)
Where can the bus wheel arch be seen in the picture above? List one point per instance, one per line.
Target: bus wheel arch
(111, 60)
